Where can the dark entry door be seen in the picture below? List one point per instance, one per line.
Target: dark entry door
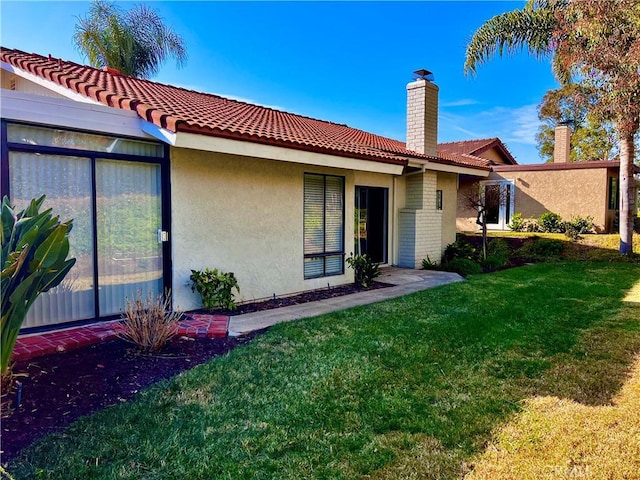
(371, 222)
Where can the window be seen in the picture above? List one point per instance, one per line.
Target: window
(438, 199)
(614, 193)
(323, 225)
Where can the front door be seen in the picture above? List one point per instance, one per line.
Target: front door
(498, 202)
(371, 222)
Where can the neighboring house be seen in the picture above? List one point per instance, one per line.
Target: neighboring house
(160, 180)
(586, 189)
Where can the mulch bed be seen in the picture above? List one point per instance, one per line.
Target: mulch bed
(59, 388)
(304, 297)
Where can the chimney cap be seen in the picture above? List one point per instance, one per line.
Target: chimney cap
(423, 74)
(567, 123)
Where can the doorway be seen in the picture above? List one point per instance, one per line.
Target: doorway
(499, 203)
(371, 222)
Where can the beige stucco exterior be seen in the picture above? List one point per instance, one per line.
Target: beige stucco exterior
(245, 215)
(567, 192)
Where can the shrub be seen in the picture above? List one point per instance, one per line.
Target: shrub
(498, 254)
(521, 224)
(35, 246)
(428, 264)
(459, 249)
(462, 266)
(540, 250)
(149, 323)
(550, 222)
(365, 270)
(517, 222)
(577, 226)
(215, 288)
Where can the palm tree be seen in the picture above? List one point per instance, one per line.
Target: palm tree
(135, 42)
(592, 39)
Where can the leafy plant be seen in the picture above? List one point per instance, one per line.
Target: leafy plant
(459, 249)
(517, 222)
(428, 264)
(541, 250)
(149, 323)
(577, 226)
(498, 255)
(551, 223)
(462, 266)
(365, 270)
(35, 246)
(215, 288)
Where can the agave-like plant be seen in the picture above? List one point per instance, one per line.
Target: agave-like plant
(35, 246)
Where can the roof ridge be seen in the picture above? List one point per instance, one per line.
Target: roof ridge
(488, 140)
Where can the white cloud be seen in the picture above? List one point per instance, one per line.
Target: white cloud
(459, 103)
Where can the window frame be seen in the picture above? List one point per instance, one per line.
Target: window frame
(613, 194)
(324, 254)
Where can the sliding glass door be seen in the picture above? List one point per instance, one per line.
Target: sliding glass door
(118, 237)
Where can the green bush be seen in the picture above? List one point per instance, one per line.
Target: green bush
(577, 226)
(517, 222)
(365, 270)
(459, 249)
(521, 224)
(215, 288)
(550, 222)
(428, 264)
(462, 266)
(498, 255)
(35, 246)
(540, 250)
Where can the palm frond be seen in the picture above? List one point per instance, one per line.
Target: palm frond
(530, 28)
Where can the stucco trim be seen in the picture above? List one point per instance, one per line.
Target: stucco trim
(270, 152)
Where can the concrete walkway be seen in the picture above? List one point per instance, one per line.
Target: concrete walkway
(405, 281)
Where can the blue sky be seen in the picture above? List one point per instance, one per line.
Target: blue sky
(347, 62)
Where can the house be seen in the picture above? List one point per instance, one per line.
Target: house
(586, 189)
(160, 180)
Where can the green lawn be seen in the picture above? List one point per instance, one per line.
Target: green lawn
(407, 388)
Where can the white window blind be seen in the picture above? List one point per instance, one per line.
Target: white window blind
(323, 225)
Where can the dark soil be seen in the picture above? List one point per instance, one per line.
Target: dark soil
(59, 388)
(304, 297)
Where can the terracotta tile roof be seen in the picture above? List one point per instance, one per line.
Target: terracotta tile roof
(181, 110)
(475, 148)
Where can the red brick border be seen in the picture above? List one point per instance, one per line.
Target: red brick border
(35, 345)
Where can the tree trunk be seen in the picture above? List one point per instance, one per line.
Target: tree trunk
(484, 234)
(627, 202)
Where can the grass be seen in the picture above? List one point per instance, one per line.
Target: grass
(559, 438)
(408, 388)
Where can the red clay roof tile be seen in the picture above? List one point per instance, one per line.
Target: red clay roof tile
(181, 110)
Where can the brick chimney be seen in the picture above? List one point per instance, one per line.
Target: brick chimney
(562, 145)
(422, 114)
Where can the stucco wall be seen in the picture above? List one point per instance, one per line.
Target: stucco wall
(244, 215)
(493, 155)
(565, 192)
(569, 193)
